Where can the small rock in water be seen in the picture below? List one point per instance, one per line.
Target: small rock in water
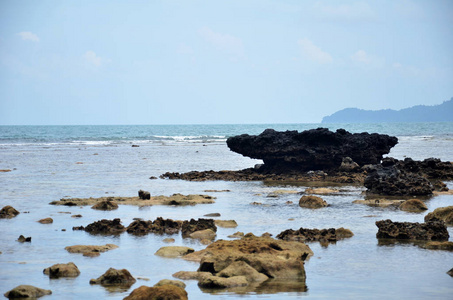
(144, 195)
(46, 221)
(8, 212)
(23, 239)
(26, 291)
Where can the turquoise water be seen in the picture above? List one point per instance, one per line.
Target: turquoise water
(51, 162)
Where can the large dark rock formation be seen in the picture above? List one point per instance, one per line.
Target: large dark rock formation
(106, 227)
(311, 235)
(159, 226)
(388, 179)
(313, 149)
(429, 231)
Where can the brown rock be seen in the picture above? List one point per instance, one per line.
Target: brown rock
(46, 221)
(62, 270)
(168, 240)
(413, 205)
(190, 275)
(8, 212)
(87, 249)
(23, 239)
(206, 234)
(173, 251)
(26, 291)
(442, 213)
(177, 283)
(106, 227)
(434, 245)
(226, 223)
(311, 235)
(115, 277)
(312, 202)
(165, 292)
(343, 233)
(215, 282)
(191, 226)
(144, 195)
(241, 268)
(450, 272)
(159, 226)
(321, 191)
(429, 231)
(105, 205)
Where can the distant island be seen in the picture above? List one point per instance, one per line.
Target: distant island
(420, 113)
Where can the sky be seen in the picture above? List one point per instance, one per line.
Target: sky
(219, 62)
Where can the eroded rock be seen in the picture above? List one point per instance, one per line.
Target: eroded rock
(27, 291)
(89, 250)
(8, 212)
(193, 225)
(442, 213)
(106, 227)
(331, 235)
(62, 270)
(173, 251)
(312, 202)
(429, 231)
(167, 291)
(105, 205)
(115, 277)
(413, 205)
(158, 226)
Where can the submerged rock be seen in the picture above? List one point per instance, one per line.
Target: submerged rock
(167, 291)
(90, 249)
(442, 213)
(177, 283)
(315, 149)
(413, 205)
(434, 245)
(46, 221)
(62, 270)
(8, 212)
(26, 291)
(429, 231)
(173, 251)
(115, 277)
(226, 223)
(312, 202)
(312, 235)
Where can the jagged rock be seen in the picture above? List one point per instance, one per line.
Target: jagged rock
(312, 202)
(26, 291)
(429, 231)
(158, 226)
(413, 205)
(173, 251)
(105, 205)
(313, 235)
(442, 213)
(90, 249)
(191, 226)
(46, 221)
(226, 223)
(62, 270)
(348, 165)
(432, 168)
(115, 277)
(315, 149)
(106, 227)
(177, 283)
(8, 212)
(144, 195)
(166, 292)
(387, 179)
(274, 258)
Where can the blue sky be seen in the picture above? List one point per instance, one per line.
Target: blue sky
(205, 62)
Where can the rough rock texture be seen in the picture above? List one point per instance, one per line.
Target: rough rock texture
(46, 221)
(173, 251)
(312, 202)
(413, 205)
(216, 282)
(442, 213)
(62, 270)
(348, 165)
(191, 275)
(206, 234)
(315, 149)
(273, 258)
(241, 268)
(115, 277)
(105, 205)
(164, 292)
(159, 226)
(191, 226)
(313, 235)
(387, 179)
(8, 212)
(429, 231)
(26, 291)
(432, 168)
(87, 249)
(106, 227)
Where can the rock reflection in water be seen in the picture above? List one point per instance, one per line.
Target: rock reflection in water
(271, 286)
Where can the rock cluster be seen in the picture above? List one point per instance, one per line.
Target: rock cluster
(315, 149)
(159, 226)
(428, 231)
(311, 235)
(225, 264)
(387, 179)
(106, 227)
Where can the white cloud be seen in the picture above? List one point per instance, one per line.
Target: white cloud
(224, 42)
(92, 59)
(353, 11)
(28, 36)
(312, 52)
(365, 59)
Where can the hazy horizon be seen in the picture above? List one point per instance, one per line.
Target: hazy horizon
(219, 62)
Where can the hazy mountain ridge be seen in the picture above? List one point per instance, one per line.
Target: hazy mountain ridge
(419, 113)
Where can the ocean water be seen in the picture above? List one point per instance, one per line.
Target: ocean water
(48, 163)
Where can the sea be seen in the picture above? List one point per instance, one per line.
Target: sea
(41, 164)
